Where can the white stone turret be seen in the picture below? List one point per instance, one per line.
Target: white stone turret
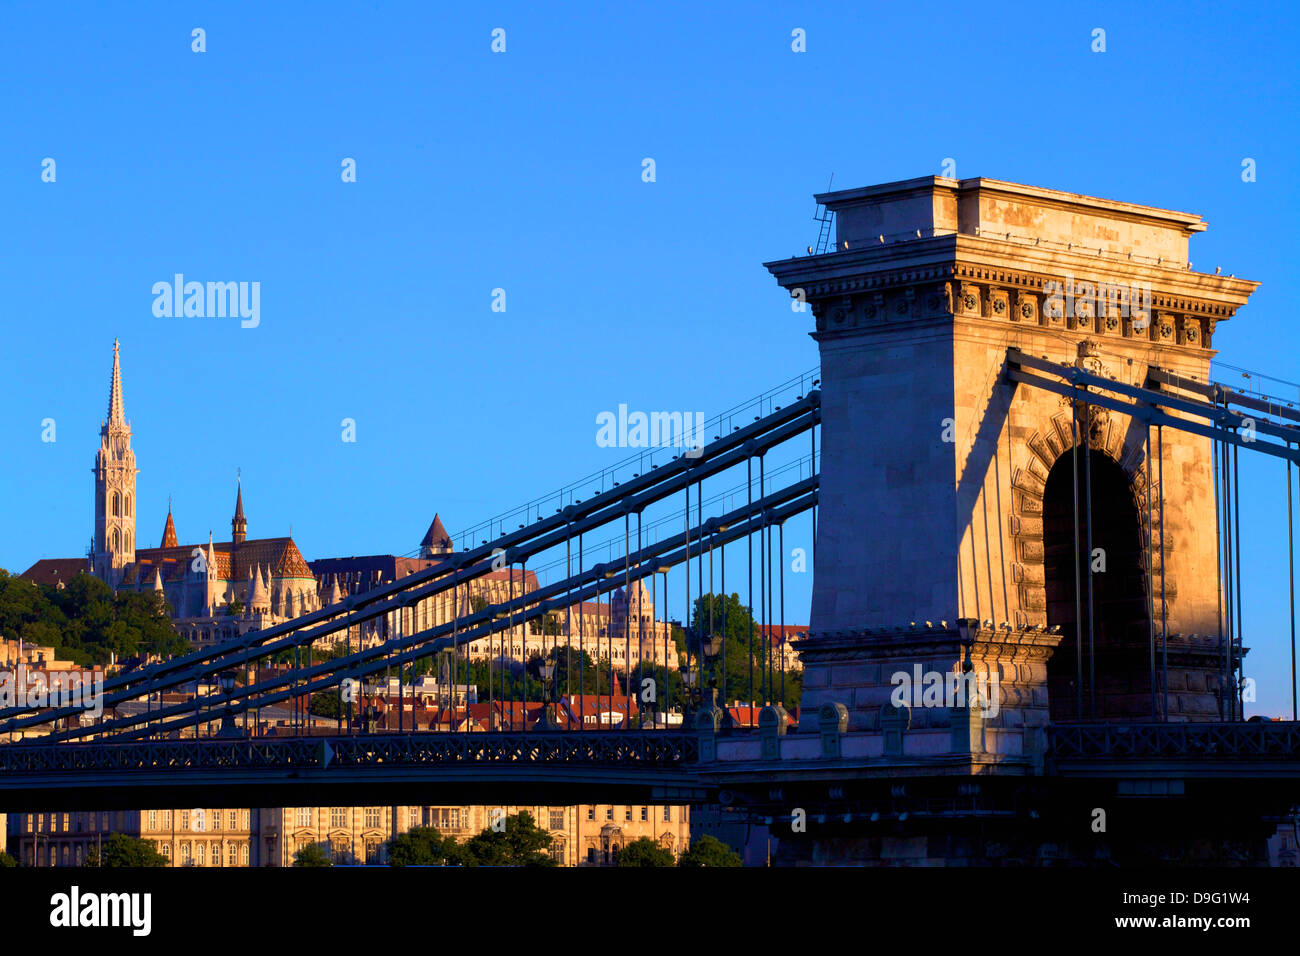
(259, 600)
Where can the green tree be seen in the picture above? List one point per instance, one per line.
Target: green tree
(313, 854)
(708, 851)
(7, 861)
(548, 623)
(120, 850)
(710, 612)
(86, 621)
(645, 852)
(325, 703)
(519, 843)
(419, 846)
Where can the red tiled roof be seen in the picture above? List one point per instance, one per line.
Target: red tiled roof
(779, 633)
(53, 570)
(745, 715)
(577, 706)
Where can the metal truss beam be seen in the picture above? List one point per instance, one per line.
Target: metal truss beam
(1153, 406)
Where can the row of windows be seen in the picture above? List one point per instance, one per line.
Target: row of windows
(200, 820)
(236, 854)
(116, 506)
(629, 811)
(74, 822)
(200, 855)
(443, 818)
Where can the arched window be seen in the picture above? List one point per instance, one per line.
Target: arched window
(127, 509)
(116, 541)
(116, 507)
(128, 541)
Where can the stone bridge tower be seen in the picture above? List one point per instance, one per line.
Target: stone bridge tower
(947, 489)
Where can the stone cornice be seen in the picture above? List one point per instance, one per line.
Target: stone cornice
(1015, 264)
(891, 644)
(912, 285)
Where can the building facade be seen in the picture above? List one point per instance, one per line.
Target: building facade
(587, 835)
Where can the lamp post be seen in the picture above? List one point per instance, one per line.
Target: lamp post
(967, 629)
(689, 677)
(226, 681)
(547, 721)
(712, 648)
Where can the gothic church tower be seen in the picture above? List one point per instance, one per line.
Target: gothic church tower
(115, 471)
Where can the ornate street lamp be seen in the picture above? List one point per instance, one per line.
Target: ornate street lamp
(712, 648)
(967, 630)
(690, 676)
(547, 720)
(226, 681)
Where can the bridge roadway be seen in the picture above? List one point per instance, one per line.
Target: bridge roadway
(531, 767)
(571, 767)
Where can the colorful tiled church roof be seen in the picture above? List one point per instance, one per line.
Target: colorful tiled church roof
(169, 532)
(234, 562)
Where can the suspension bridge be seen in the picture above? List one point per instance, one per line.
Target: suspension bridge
(963, 451)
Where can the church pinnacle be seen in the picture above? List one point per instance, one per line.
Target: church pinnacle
(239, 524)
(436, 540)
(169, 530)
(116, 409)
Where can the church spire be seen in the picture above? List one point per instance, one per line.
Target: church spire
(169, 529)
(116, 410)
(115, 472)
(239, 524)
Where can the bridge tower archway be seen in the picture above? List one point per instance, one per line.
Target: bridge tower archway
(1105, 666)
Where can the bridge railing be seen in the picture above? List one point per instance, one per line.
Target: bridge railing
(1238, 740)
(606, 749)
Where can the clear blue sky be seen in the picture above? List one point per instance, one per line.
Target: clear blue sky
(523, 171)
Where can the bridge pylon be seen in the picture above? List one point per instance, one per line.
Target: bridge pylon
(949, 491)
(1001, 553)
